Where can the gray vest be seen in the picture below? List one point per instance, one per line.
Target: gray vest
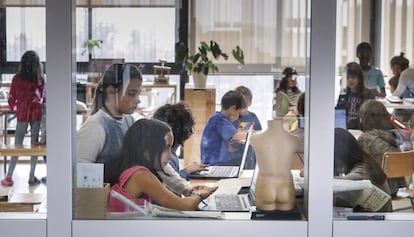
(114, 134)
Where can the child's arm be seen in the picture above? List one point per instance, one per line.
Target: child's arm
(240, 137)
(145, 182)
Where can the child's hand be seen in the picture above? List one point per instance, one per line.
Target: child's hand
(205, 190)
(195, 167)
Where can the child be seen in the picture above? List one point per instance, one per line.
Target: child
(245, 120)
(380, 136)
(374, 78)
(26, 99)
(220, 134)
(356, 94)
(181, 121)
(247, 117)
(133, 171)
(179, 117)
(404, 85)
(116, 98)
(353, 163)
(288, 86)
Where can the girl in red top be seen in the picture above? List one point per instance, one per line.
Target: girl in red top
(26, 98)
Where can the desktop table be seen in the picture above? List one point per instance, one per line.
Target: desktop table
(20, 202)
(404, 105)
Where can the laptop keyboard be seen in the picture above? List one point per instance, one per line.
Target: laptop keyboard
(219, 171)
(229, 202)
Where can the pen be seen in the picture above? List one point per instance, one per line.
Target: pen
(364, 217)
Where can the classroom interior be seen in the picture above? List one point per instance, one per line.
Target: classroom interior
(313, 59)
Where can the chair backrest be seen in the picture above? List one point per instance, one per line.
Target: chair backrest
(398, 164)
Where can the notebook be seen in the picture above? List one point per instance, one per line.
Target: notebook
(232, 202)
(224, 172)
(340, 118)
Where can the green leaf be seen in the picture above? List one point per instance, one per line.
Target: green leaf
(238, 54)
(215, 49)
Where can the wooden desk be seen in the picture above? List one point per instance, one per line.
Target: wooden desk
(22, 202)
(21, 150)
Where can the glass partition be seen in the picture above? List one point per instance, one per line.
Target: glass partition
(371, 128)
(121, 88)
(23, 111)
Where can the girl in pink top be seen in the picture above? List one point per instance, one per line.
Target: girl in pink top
(146, 149)
(25, 98)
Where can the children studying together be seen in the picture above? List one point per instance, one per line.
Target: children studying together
(143, 162)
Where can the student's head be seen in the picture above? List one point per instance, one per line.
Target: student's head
(231, 104)
(300, 106)
(355, 77)
(364, 53)
(30, 68)
(398, 64)
(118, 90)
(288, 80)
(180, 119)
(247, 97)
(348, 153)
(374, 115)
(147, 143)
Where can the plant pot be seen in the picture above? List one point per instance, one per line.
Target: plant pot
(200, 80)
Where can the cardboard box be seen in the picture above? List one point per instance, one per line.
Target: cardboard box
(91, 203)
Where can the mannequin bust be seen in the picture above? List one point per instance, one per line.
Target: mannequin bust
(274, 151)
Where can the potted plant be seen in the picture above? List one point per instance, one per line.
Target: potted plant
(89, 47)
(201, 63)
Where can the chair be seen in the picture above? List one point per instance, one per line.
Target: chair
(399, 164)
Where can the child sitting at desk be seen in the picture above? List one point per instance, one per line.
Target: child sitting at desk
(380, 136)
(356, 94)
(353, 163)
(133, 171)
(219, 134)
(179, 117)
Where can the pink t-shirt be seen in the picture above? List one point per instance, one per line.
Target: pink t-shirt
(114, 204)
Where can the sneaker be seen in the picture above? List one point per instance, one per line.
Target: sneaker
(44, 179)
(34, 181)
(7, 181)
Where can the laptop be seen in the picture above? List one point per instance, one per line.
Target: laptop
(225, 172)
(340, 118)
(242, 202)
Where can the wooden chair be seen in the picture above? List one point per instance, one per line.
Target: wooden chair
(399, 164)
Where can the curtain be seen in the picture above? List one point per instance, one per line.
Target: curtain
(273, 34)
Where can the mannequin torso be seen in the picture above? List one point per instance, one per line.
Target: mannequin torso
(274, 151)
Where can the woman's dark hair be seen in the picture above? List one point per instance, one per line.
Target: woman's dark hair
(118, 76)
(348, 154)
(143, 144)
(355, 70)
(180, 119)
(287, 73)
(374, 115)
(231, 98)
(401, 61)
(30, 68)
